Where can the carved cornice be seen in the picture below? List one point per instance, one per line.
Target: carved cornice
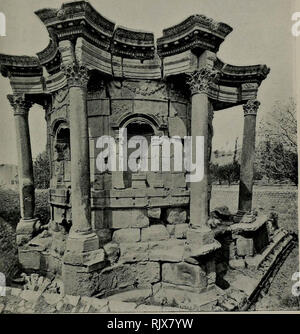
(199, 81)
(236, 75)
(20, 66)
(251, 107)
(129, 43)
(197, 31)
(76, 74)
(20, 104)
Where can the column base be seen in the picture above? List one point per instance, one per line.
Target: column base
(238, 216)
(201, 241)
(82, 262)
(25, 230)
(79, 243)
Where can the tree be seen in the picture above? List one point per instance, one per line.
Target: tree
(277, 156)
(41, 171)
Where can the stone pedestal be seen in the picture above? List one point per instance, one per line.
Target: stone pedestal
(247, 158)
(27, 223)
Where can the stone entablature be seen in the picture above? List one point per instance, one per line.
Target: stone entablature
(126, 53)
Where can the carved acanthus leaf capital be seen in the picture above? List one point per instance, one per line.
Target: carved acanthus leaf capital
(199, 81)
(20, 104)
(251, 107)
(77, 74)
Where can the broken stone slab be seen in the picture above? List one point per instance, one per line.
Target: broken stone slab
(154, 233)
(136, 295)
(127, 235)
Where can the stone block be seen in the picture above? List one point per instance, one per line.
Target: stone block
(82, 243)
(176, 216)
(244, 246)
(128, 276)
(29, 259)
(104, 235)
(154, 213)
(199, 237)
(237, 263)
(134, 252)
(180, 231)
(184, 274)
(127, 235)
(171, 250)
(131, 218)
(112, 251)
(155, 233)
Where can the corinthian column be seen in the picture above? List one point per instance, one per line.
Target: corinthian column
(248, 156)
(27, 223)
(199, 82)
(81, 237)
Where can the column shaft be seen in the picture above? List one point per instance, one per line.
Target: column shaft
(80, 161)
(199, 190)
(248, 156)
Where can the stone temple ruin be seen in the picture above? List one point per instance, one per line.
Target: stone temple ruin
(112, 232)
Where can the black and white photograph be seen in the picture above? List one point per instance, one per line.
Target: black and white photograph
(149, 159)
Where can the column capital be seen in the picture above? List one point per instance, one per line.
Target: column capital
(200, 80)
(77, 74)
(20, 105)
(251, 107)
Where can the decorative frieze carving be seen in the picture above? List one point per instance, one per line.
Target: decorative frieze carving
(251, 107)
(20, 105)
(199, 81)
(77, 74)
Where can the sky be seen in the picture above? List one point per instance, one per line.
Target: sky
(261, 35)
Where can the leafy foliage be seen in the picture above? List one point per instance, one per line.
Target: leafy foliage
(41, 171)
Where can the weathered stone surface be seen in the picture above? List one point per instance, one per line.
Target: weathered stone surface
(129, 218)
(237, 263)
(171, 230)
(184, 274)
(170, 250)
(199, 237)
(168, 294)
(244, 246)
(155, 232)
(127, 235)
(112, 251)
(29, 259)
(104, 235)
(134, 252)
(154, 213)
(180, 231)
(124, 276)
(176, 216)
(245, 284)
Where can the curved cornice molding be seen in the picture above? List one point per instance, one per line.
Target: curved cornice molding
(20, 66)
